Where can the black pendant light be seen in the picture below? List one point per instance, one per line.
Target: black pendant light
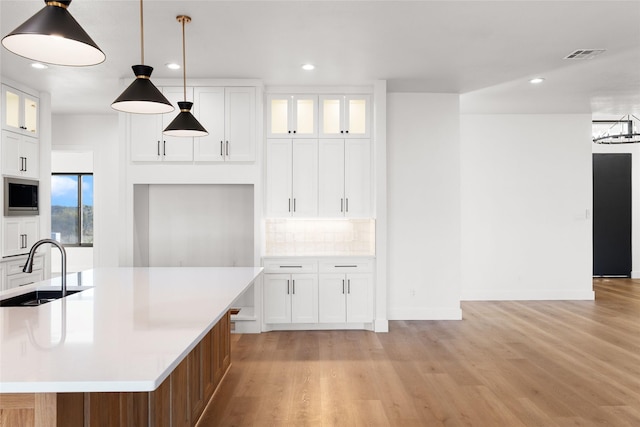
(53, 36)
(142, 96)
(185, 124)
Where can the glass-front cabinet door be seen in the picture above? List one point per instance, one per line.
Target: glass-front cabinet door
(292, 115)
(30, 114)
(345, 116)
(19, 111)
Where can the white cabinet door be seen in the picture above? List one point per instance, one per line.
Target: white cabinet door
(331, 201)
(292, 115)
(277, 298)
(279, 177)
(305, 177)
(359, 298)
(12, 159)
(20, 155)
(209, 110)
(331, 298)
(13, 241)
(20, 234)
(357, 178)
(20, 112)
(145, 138)
(304, 298)
(240, 129)
(30, 149)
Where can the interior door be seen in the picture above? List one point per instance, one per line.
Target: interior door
(612, 214)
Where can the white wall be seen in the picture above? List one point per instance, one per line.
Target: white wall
(634, 150)
(526, 203)
(97, 133)
(423, 193)
(200, 225)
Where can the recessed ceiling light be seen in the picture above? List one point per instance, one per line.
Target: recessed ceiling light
(39, 66)
(173, 66)
(536, 80)
(308, 67)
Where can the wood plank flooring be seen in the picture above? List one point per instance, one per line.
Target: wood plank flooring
(550, 363)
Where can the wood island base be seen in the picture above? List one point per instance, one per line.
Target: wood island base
(179, 401)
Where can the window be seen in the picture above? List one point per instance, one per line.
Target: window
(72, 208)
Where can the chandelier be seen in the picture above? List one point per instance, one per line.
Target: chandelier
(622, 131)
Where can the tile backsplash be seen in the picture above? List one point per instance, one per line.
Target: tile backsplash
(319, 237)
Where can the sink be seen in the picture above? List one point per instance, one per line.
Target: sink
(34, 298)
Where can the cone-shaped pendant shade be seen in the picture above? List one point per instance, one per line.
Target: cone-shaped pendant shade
(185, 124)
(142, 96)
(53, 36)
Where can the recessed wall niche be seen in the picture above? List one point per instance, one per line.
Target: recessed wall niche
(193, 225)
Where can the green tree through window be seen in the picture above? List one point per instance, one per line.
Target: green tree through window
(72, 208)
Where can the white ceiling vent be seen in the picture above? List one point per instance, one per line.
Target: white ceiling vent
(584, 54)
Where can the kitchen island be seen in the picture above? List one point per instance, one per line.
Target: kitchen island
(138, 346)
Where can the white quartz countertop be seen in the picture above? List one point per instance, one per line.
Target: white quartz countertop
(126, 332)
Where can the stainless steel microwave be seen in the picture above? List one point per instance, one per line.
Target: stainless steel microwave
(20, 197)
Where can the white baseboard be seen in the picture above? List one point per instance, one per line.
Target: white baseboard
(430, 313)
(635, 274)
(381, 325)
(529, 295)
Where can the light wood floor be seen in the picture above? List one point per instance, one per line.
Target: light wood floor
(560, 363)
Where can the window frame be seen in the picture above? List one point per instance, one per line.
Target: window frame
(79, 175)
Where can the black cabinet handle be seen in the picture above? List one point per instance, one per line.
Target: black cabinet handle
(221, 149)
(25, 164)
(342, 286)
(290, 266)
(341, 131)
(289, 204)
(164, 148)
(289, 131)
(347, 204)
(345, 266)
(158, 147)
(294, 287)
(346, 131)
(227, 148)
(349, 286)
(294, 204)
(294, 131)
(341, 205)
(287, 287)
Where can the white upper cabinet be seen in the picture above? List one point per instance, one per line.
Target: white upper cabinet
(292, 177)
(20, 111)
(149, 144)
(344, 183)
(228, 114)
(292, 115)
(345, 116)
(20, 155)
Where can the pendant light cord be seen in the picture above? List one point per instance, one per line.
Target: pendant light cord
(141, 35)
(184, 63)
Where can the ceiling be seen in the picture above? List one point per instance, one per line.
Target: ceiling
(484, 50)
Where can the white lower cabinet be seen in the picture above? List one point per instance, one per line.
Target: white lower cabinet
(345, 298)
(291, 298)
(294, 292)
(20, 233)
(14, 277)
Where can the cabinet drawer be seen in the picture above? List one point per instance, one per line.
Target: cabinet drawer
(16, 266)
(346, 265)
(290, 265)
